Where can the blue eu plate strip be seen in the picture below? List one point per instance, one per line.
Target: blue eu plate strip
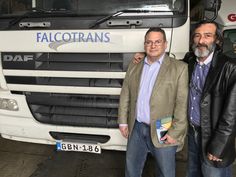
(58, 146)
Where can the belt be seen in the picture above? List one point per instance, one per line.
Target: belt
(195, 128)
(144, 123)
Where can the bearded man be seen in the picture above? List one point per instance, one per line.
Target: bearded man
(212, 105)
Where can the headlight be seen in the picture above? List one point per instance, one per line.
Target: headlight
(8, 104)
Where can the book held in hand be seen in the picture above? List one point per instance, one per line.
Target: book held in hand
(162, 126)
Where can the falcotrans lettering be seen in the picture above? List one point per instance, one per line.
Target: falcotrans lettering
(96, 37)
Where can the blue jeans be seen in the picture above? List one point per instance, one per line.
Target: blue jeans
(139, 145)
(197, 167)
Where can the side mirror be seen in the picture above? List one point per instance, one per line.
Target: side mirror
(212, 5)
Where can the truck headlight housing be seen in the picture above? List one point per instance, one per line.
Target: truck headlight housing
(8, 104)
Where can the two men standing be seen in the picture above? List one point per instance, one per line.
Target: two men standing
(211, 107)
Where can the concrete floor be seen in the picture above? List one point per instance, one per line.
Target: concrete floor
(19, 159)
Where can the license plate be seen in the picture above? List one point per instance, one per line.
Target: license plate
(80, 147)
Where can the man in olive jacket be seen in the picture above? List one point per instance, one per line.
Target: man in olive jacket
(212, 105)
(154, 92)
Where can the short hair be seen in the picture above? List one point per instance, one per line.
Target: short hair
(156, 29)
(219, 36)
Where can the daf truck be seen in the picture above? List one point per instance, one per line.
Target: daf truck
(63, 63)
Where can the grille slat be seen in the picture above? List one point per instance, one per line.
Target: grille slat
(82, 121)
(90, 82)
(84, 101)
(80, 58)
(59, 110)
(80, 82)
(80, 66)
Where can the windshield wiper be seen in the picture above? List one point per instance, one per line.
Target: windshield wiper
(35, 12)
(118, 13)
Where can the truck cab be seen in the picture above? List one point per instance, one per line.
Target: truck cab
(226, 18)
(63, 63)
(227, 21)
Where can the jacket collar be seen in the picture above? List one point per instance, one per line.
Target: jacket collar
(160, 76)
(162, 73)
(216, 65)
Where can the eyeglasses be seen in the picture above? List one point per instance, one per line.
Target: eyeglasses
(156, 43)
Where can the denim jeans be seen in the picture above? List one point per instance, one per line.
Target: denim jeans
(197, 167)
(139, 145)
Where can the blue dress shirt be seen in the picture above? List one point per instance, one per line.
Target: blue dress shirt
(196, 87)
(148, 78)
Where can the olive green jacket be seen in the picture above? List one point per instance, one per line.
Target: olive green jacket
(168, 99)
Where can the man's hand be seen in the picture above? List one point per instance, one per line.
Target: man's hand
(138, 57)
(213, 158)
(168, 139)
(124, 131)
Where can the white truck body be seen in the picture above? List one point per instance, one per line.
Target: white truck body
(226, 19)
(45, 86)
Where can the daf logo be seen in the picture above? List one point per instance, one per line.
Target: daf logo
(232, 17)
(18, 58)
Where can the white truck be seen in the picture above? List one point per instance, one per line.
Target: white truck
(226, 18)
(63, 63)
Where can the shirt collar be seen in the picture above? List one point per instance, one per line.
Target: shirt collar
(160, 61)
(207, 61)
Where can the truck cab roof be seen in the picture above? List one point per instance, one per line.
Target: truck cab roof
(227, 14)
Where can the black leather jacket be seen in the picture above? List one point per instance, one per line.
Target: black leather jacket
(218, 108)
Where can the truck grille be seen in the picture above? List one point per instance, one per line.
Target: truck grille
(77, 109)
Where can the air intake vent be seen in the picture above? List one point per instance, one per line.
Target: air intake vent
(74, 110)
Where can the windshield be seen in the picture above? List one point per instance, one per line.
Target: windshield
(89, 7)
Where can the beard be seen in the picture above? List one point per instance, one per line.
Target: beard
(203, 53)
